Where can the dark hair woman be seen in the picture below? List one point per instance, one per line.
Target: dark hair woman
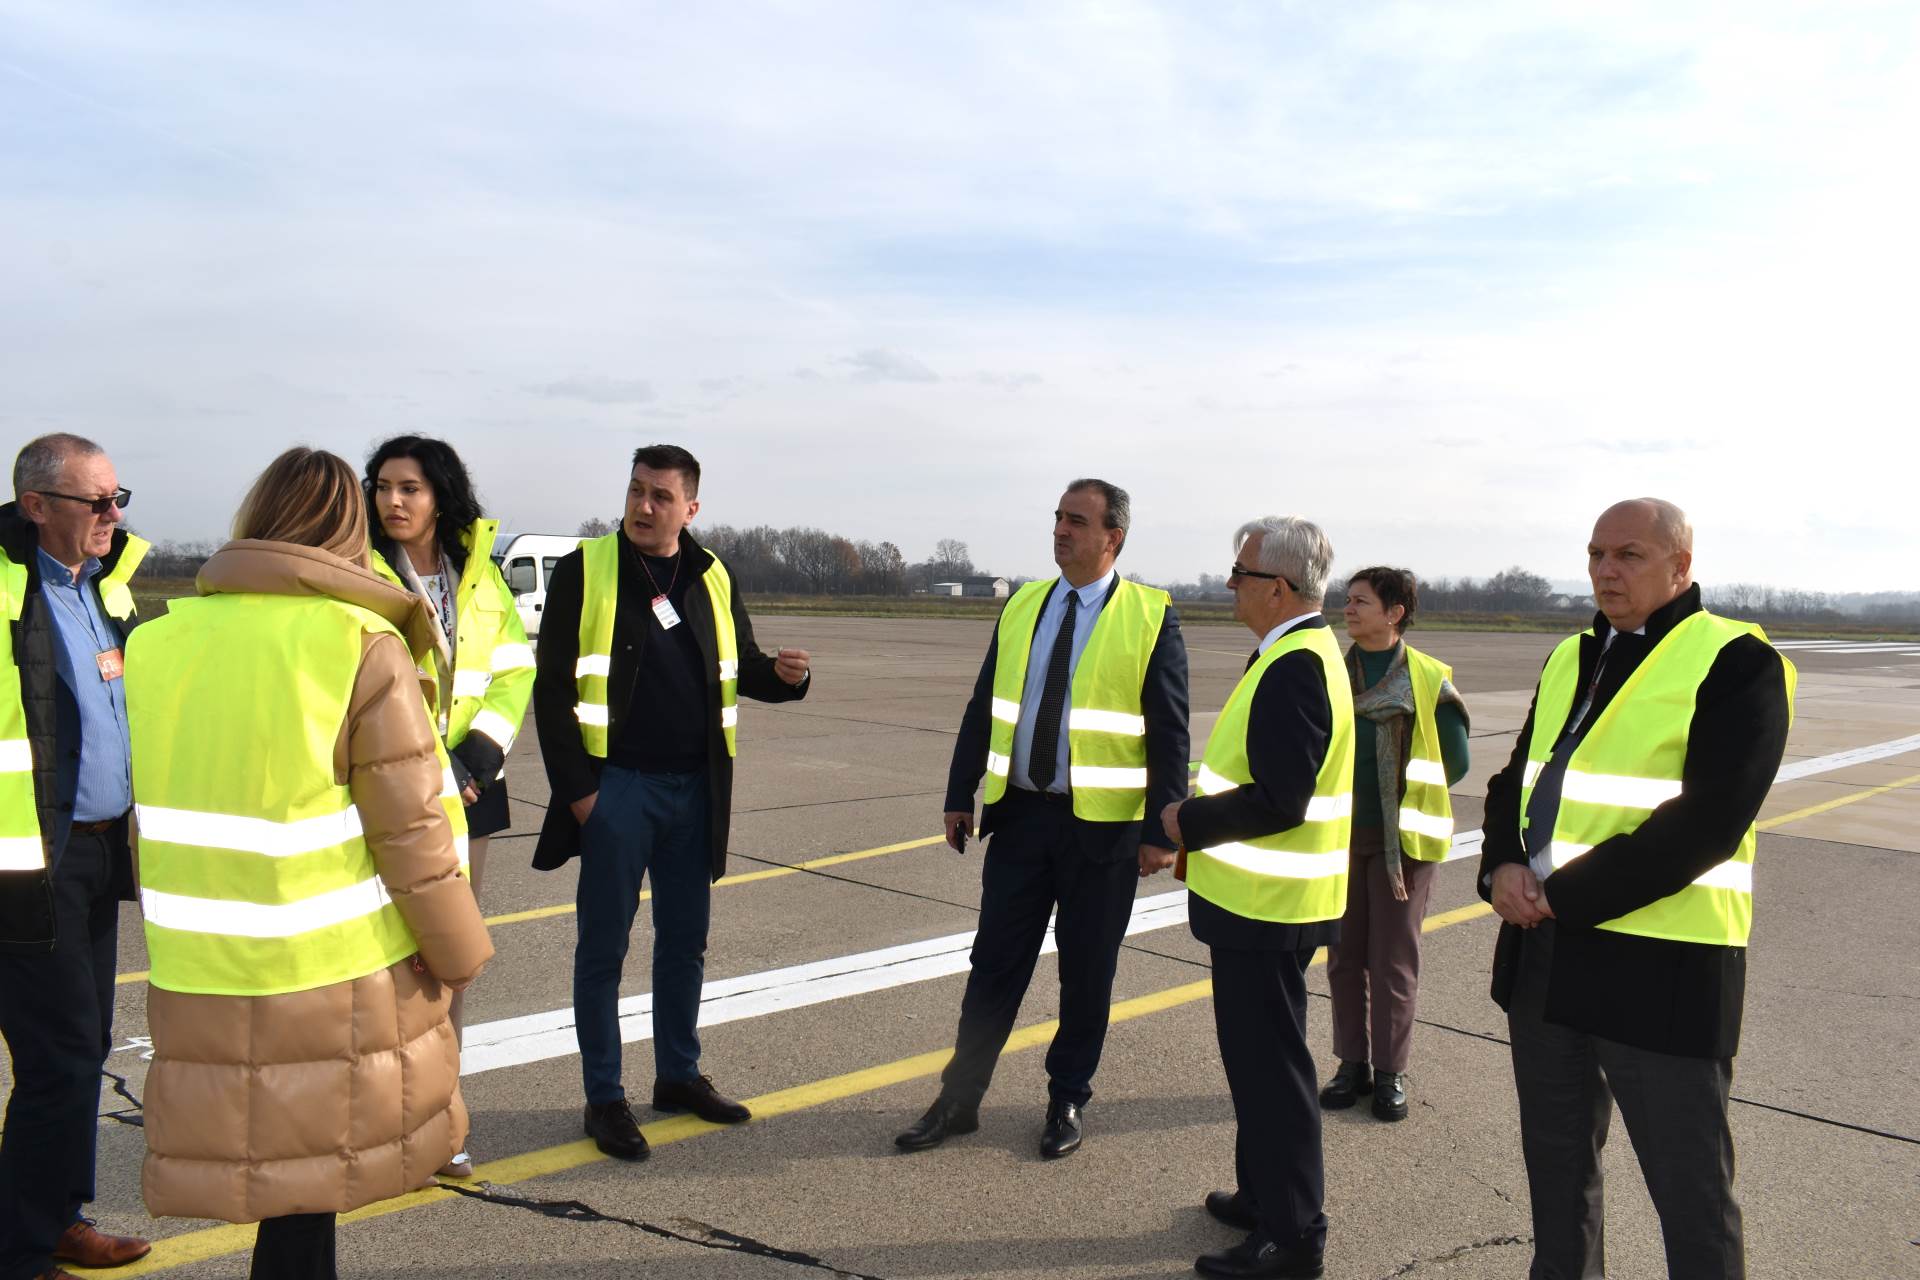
(304, 928)
(1410, 746)
(429, 537)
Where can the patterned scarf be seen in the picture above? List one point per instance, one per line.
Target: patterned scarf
(1389, 704)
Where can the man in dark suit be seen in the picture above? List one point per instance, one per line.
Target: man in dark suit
(65, 866)
(1079, 722)
(644, 647)
(1266, 865)
(1619, 853)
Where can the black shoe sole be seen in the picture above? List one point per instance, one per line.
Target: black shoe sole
(1060, 1153)
(1390, 1114)
(906, 1141)
(621, 1153)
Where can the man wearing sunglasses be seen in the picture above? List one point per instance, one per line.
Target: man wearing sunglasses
(1266, 870)
(65, 866)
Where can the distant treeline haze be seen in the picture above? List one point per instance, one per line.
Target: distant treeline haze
(804, 561)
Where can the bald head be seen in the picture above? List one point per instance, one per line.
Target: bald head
(1639, 558)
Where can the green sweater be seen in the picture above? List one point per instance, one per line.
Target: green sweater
(1452, 727)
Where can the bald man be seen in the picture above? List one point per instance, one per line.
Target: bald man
(1619, 853)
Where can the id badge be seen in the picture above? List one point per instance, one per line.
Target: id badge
(663, 610)
(112, 665)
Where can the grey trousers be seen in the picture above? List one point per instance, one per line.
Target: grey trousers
(1676, 1114)
(1373, 972)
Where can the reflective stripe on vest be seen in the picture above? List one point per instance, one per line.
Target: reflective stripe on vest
(1106, 732)
(1631, 762)
(600, 588)
(255, 875)
(1426, 808)
(20, 845)
(1299, 875)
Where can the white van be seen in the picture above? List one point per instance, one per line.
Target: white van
(526, 564)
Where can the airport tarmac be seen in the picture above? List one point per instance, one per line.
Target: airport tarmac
(834, 978)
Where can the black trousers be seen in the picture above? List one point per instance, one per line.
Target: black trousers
(1676, 1113)
(1260, 1016)
(296, 1247)
(1034, 862)
(56, 1012)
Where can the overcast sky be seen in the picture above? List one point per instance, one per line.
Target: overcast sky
(1447, 278)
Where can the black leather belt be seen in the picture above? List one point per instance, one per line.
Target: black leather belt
(95, 828)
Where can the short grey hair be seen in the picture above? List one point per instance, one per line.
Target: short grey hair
(37, 467)
(1297, 549)
(1119, 505)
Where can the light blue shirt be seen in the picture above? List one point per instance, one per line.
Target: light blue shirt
(1091, 598)
(82, 628)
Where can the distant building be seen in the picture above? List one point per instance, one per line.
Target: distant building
(987, 587)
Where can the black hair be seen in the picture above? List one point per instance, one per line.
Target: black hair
(454, 500)
(670, 457)
(1394, 587)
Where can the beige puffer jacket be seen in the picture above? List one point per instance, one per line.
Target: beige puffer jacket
(330, 1099)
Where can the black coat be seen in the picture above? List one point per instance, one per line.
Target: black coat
(53, 729)
(1163, 705)
(1289, 727)
(571, 772)
(1671, 997)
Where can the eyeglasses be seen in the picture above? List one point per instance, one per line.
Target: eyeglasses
(1240, 571)
(99, 506)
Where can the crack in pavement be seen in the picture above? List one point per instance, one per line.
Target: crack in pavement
(703, 1235)
(1494, 1242)
(125, 1115)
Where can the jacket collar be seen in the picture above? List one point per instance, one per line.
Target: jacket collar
(1661, 620)
(288, 569)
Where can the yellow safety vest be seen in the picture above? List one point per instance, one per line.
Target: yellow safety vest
(1299, 875)
(1631, 762)
(600, 586)
(1106, 731)
(492, 662)
(255, 877)
(21, 845)
(1426, 808)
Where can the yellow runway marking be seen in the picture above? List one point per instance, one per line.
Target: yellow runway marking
(1837, 802)
(213, 1242)
(745, 877)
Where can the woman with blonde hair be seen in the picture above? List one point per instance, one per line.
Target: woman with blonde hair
(307, 918)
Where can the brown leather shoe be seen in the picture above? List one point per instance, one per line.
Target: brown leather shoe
(86, 1244)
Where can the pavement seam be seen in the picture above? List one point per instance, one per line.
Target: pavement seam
(1492, 1242)
(707, 1237)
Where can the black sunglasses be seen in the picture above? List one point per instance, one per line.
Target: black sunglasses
(1240, 572)
(99, 506)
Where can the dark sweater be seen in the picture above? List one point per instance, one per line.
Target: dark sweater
(667, 730)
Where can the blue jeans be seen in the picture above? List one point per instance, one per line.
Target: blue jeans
(652, 825)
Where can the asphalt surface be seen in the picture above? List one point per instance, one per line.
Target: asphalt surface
(1826, 1123)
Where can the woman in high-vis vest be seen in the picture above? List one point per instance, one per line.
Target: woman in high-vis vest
(429, 537)
(1410, 745)
(307, 918)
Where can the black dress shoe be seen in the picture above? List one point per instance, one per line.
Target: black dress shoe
(1390, 1095)
(700, 1097)
(1348, 1083)
(1061, 1137)
(944, 1119)
(614, 1130)
(1232, 1208)
(1258, 1255)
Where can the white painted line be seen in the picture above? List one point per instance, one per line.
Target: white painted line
(512, 1042)
(536, 1037)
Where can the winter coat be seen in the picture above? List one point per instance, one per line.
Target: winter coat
(332, 1098)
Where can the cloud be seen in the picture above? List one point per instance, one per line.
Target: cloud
(596, 389)
(877, 365)
(1015, 381)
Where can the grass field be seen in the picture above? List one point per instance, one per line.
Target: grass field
(152, 595)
